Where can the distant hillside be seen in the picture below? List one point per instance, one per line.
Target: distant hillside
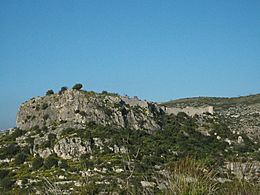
(218, 102)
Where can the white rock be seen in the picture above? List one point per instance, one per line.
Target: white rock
(146, 184)
(240, 140)
(61, 177)
(119, 170)
(228, 141)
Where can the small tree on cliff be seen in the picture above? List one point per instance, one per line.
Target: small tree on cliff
(50, 92)
(77, 86)
(62, 90)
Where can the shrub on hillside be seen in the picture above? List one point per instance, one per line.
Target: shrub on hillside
(45, 117)
(20, 158)
(77, 86)
(50, 161)
(6, 183)
(44, 106)
(63, 164)
(37, 163)
(188, 176)
(3, 173)
(50, 92)
(12, 149)
(62, 90)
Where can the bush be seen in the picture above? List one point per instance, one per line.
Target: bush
(45, 117)
(3, 173)
(77, 86)
(63, 164)
(51, 136)
(6, 183)
(62, 90)
(50, 161)
(44, 129)
(30, 140)
(50, 92)
(20, 158)
(12, 149)
(17, 133)
(44, 106)
(37, 163)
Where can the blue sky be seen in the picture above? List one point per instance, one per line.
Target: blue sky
(157, 50)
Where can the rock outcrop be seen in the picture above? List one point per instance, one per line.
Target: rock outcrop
(191, 111)
(74, 108)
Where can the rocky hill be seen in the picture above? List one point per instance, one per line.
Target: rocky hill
(240, 113)
(75, 108)
(79, 142)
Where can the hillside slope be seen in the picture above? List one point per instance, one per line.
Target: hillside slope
(240, 113)
(79, 142)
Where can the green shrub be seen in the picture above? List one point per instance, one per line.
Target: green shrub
(51, 137)
(6, 183)
(63, 164)
(27, 149)
(45, 117)
(37, 163)
(50, 161)
(12, 149)
(30, 140)
(44, 129)
(3, 173)
(44, 106)
(62, 90)
(77, 86)
(50, 92)
(20, 158)
(17, 133)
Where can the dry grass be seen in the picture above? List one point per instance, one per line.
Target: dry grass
(189, 176)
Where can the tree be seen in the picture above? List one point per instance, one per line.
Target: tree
(62, 90)
(77, 86)
(50, 92)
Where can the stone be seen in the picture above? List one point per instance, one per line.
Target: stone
(70, 148)
(146, 184)
(75, 107)
(240, 140)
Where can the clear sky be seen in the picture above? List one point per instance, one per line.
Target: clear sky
(155, 49)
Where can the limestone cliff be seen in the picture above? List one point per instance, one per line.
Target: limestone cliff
(74, 108)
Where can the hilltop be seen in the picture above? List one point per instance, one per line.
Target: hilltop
(82, 142)
(219, 103)
(241, 113)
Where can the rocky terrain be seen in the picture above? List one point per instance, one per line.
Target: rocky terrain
(241, 113)
(75, 108)
(80, 142)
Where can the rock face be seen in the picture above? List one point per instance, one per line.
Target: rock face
(67, 148)
(76, 108)
(191, 111)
